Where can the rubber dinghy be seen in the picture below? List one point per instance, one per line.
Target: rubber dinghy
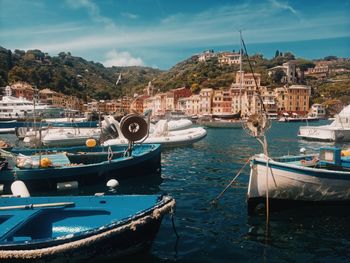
(160, 135)
(79, 228)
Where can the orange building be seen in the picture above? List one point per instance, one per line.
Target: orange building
(22, 89)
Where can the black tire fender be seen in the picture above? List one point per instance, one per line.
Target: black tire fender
(133, 127)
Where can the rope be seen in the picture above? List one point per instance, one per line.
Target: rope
(216, 199)
(110, 154)
(173, 224)
(58, 250)
(267, 192)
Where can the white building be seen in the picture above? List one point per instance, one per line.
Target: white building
(318, 110)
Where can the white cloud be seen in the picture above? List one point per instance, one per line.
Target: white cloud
(130, 15)
(261, 22)
(115, 58)
(282, 5)
(93, 11)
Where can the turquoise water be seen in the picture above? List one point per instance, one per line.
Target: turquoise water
(224, 232)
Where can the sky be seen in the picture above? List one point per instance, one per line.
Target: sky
(161, 33)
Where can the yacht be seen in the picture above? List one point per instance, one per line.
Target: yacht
(337, 131)
(13, 108)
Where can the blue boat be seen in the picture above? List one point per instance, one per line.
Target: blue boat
(18, 124)
(80, 165)
(79, 228)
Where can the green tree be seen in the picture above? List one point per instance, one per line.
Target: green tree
(277, 76)
(17, 74)
(303, 65)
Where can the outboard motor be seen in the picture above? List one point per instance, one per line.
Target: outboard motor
(109, 130)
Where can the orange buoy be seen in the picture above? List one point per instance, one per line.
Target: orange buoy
(345, 153)
(90, 143)
(45, 162)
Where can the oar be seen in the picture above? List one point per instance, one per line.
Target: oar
(32, 206)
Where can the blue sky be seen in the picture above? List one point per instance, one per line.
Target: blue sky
(161, 33)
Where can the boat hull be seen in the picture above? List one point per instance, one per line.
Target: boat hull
(122, 237)
(293, 183)
(169, 139)
(144, 161)
(324, 133)
(222, 124)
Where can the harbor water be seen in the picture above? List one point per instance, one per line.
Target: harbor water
(224, 232)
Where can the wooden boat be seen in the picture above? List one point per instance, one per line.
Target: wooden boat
(221, 123)
(320, 178)
(79, 228)
(80, 165)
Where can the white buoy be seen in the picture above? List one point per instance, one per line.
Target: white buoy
(18, 188)
(113, 183)
(302, 150)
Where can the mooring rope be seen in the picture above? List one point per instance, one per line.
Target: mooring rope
(216, 199)
(267, 192)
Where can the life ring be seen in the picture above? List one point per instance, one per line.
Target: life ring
(133, 127)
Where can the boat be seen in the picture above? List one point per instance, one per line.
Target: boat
(230, 116)
(322, 178)
(337, 131)
(160, 135)
(54, 137)
(220, 123)
(66, 119)
(68, 138)
(173, 125)
(48, 169)
(79, 228)
(297, 118)
(318, 178)
(13, 108)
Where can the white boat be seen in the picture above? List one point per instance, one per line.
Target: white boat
(13, 108)
(65, 119)
(320, 178)
(62, 136)
(173, 125)
(160, 135)
(297, 118)
(337, 131)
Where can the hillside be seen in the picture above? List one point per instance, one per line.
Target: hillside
(71, 75)
(87, 79)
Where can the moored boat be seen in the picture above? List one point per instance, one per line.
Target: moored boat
(312, 179)
(81, 165)
(337, 131)
(79, 228)
(221, 123)
(160, 135)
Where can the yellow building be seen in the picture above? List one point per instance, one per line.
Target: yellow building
(205, 103)
(295, 98)
(243, 93)
(222, 102)
(51, 97)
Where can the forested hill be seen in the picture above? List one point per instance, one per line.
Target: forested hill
(72, 75)
(87, 79)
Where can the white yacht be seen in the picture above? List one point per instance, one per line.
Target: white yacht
(337, 131)
(13, 108)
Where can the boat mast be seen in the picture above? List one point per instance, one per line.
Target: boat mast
(241, 73)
